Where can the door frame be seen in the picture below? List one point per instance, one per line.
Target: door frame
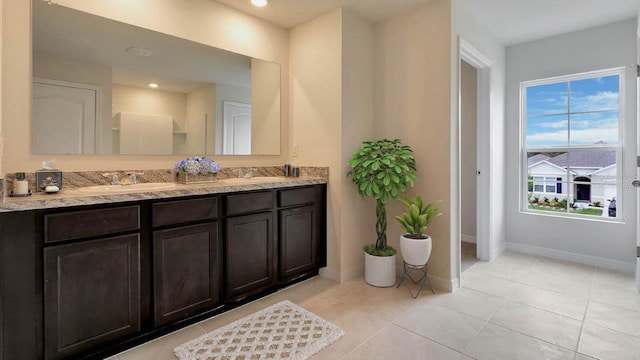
(483, 66)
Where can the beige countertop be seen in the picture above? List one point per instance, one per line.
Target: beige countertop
(68, 197)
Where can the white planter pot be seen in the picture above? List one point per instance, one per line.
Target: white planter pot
(380, 271)
(415, 251)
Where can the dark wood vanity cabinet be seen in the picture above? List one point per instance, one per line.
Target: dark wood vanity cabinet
(90, 281)
(91, 278)
(91, 294)
(186, 262)
(249, 243)
(298, 240)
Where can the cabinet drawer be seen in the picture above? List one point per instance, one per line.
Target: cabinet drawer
(81, 224)
(249, 203)
(182, 211)
(306, 195)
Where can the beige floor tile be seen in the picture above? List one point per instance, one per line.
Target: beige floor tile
(465, 357)
(500, 270)
(112, 358)
(438, 323)
(553, 328)
(560, 281)
(469, 302)
(293, 294)
(387, 303)
(614, 318)
(329, 353)
(335, 290)
(606, 344)
(486, 283)
(230, 316)
(584, 357)
(497, 343)
(516, 259)
(616, 296)
(358, 323)
(162, 348)
(394, 342)
(552, 301)
(613, 278)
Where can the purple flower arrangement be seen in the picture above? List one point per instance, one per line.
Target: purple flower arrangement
(197, 165)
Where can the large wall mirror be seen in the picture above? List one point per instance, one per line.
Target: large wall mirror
(105, 87)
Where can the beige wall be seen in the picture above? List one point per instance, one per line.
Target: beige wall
(468, 150)
(48, 67)
(412, 103)
(265, 107)
(150, 102)
(315, 107)
(359, 215)
(200, 123)
(203, 21)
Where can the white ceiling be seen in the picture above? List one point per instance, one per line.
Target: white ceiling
(291, 13)
(511, 21)
(518, 21)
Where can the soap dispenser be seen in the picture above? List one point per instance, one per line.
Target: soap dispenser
(20, 185)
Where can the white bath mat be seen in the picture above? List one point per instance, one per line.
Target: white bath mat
(281, 331)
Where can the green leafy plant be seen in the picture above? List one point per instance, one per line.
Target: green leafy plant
(382, 169)
(417, 216)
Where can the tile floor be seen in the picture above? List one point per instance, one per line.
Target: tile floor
(517, 307)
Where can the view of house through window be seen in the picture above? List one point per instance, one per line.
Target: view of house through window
(571, 144)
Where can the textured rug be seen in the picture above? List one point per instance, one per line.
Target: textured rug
(281, 331)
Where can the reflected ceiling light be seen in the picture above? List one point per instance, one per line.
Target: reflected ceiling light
(153, 85)
(140, 52)
(259, 3)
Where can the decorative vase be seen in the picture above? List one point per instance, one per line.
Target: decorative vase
(415, 252)
(380, 271)
(184, 178)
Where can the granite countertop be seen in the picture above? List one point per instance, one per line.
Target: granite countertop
(68, 197)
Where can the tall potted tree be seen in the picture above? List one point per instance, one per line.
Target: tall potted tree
(382, 169)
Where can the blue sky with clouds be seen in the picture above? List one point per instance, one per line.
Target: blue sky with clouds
(592, 111)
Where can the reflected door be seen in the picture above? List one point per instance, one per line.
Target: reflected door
(64, 119)
(237, 128)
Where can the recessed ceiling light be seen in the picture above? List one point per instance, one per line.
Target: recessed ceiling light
(140, 52)
(153, 85)
(259, 3)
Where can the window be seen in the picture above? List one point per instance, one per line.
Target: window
(571, 144)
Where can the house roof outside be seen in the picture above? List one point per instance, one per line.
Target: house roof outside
(585, 159)
(536, 159)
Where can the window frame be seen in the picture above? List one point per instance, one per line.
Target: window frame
(618, 148)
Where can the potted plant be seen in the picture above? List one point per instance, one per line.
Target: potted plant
(382, 169)
(415, 245)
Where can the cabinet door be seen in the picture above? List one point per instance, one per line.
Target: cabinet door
(186, 271)
(298, 241)
(92, 294)
(249, 253)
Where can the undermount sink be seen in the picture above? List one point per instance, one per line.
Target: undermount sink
(254, 180)
(127, 188)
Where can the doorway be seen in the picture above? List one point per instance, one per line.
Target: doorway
(468, 164)
(478, 175)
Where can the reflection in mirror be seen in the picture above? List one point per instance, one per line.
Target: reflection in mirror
(93, 91)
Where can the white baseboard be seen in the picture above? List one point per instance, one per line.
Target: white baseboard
(330, 274)
(468, 238)
(337, 276)
(497, 251)
(444, 284)
(569, 256)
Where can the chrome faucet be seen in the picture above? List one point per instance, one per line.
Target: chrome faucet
(133, 177)
(115, 180)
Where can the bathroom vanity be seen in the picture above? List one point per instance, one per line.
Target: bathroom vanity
(91, 280)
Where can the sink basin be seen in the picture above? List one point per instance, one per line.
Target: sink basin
(254, 180)
(127, 188)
